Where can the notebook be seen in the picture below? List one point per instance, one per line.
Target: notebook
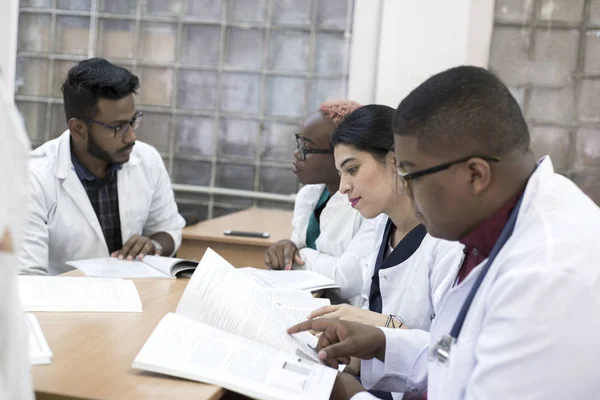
(154, 267)
(39, 351)
(230, 332)
(294, 279)
(61, 293)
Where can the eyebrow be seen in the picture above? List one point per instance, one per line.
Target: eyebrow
(346, 161)
(122, 121)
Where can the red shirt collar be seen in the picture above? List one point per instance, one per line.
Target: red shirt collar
(485, 235)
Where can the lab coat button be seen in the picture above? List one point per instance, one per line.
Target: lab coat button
(475, 252)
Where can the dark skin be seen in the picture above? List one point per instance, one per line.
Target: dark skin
(340, 340)
(316, 169)
(450, 204)
(96, 148)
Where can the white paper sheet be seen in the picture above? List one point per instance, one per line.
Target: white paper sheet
(294, 279)
(39, 351)
(58, 293)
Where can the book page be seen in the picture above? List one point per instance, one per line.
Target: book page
(189, 349)
(298, 308)
(288, 293)
(61, 293)
(168, 265)
(294, 279)
(39, 351)
(109, 267)
(219, 296)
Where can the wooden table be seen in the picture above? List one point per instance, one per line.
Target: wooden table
(93, 352)
(239, 251)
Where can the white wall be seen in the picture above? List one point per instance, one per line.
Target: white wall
(9, 14)
(414, 40)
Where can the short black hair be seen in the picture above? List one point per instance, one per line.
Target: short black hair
(464, 107)
(368, 128)
(91, 80)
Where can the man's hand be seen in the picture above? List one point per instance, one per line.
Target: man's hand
(347, 312)
(345, 387)
(137, 247)
(282, 255)
(341, 340)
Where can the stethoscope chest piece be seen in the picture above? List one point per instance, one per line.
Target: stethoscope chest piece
(440, 352)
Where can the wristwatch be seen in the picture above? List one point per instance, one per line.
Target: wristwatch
(394, 321)
(157, 247)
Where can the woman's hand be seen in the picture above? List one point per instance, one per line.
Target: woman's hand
(346, 312)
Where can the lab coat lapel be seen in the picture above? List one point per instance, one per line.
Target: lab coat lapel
(65, 171)
(127, 192)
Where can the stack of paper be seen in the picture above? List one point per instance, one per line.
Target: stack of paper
(39, 351)
(56, 293)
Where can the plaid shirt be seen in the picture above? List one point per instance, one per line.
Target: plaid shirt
(104, 197)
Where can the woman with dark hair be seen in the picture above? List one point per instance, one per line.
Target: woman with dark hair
(328, 236)
(410, 269)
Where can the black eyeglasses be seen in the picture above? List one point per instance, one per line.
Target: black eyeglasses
(409, 176)
(121, 129)
(303, 150)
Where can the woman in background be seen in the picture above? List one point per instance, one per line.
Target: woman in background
(329, 236)
(409, 270)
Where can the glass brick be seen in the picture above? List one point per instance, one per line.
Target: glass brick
(156, 86)
(34, 32)
(238, 138)
(158, 42)
(241, 93)
(197, 90)
(244, 48)
(289, 50)
(285, 96)
(201, 45)
(115, 38)
(195, 135)
(192, 172)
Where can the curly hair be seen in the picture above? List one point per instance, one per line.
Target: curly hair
(336, 110)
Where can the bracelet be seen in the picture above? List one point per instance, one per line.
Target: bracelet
(392, 320)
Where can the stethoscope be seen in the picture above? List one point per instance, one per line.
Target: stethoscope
(441, 350)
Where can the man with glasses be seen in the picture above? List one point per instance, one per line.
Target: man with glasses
(95, 190)
(521, 319)
(329, 236)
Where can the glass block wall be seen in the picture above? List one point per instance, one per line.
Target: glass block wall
(224, 83)
(548, 52)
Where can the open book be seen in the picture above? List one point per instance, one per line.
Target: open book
(62, 293)
(294, 279)
(154, 267)
(39, 351)
(297, 304)
(230, 332)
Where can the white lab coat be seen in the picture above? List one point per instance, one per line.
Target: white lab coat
(532, 328)
(411, 288)
(15, 374)
(63, 225)
(346, 239)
